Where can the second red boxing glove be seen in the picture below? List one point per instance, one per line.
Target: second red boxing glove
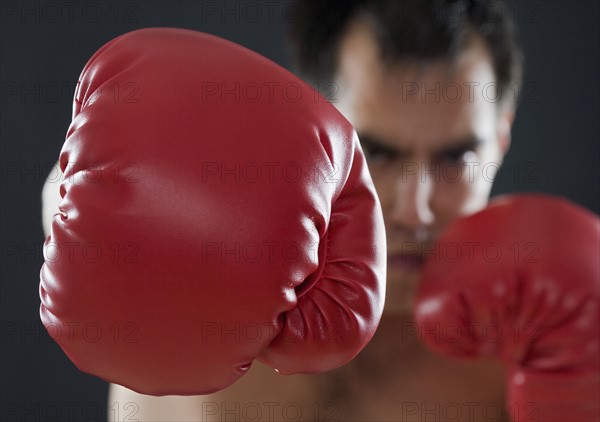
(520, 281)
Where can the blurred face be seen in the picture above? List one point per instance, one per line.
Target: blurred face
(434, 138)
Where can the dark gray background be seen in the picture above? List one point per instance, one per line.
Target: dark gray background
(44, 46)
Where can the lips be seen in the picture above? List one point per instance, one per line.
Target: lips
(405, 261)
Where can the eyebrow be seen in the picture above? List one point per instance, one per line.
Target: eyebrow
(456, 147)
(369, 141)
(459, 146)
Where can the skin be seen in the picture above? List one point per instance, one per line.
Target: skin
(395, 377)
(418, 145)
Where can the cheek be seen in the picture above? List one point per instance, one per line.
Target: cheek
(464, 190)
(452, 195)
(384, 179)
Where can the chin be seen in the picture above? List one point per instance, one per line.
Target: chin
(400, 292)
(398, 309)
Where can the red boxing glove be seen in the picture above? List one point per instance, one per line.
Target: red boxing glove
(520, 281)
(214, 211)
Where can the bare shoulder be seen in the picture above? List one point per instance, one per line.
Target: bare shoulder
(127, 405)
(51, 197)
(261, 394)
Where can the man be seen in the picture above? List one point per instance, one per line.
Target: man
(430, 87)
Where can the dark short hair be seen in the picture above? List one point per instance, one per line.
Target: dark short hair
(416, 30)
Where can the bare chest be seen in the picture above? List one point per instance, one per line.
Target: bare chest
(431, 389)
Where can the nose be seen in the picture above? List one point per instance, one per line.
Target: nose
(413, 195)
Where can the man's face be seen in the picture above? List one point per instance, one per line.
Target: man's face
(433, 138)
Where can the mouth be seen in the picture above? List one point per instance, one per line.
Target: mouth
(403, 261)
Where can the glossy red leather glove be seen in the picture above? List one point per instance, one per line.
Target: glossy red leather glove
(218, 211)
(520, 281)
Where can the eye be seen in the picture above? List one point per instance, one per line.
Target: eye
(375, 153)
(459, 156)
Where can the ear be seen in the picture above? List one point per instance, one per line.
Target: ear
(506, 119)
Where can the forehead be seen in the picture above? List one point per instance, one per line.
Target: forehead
(422, 102)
